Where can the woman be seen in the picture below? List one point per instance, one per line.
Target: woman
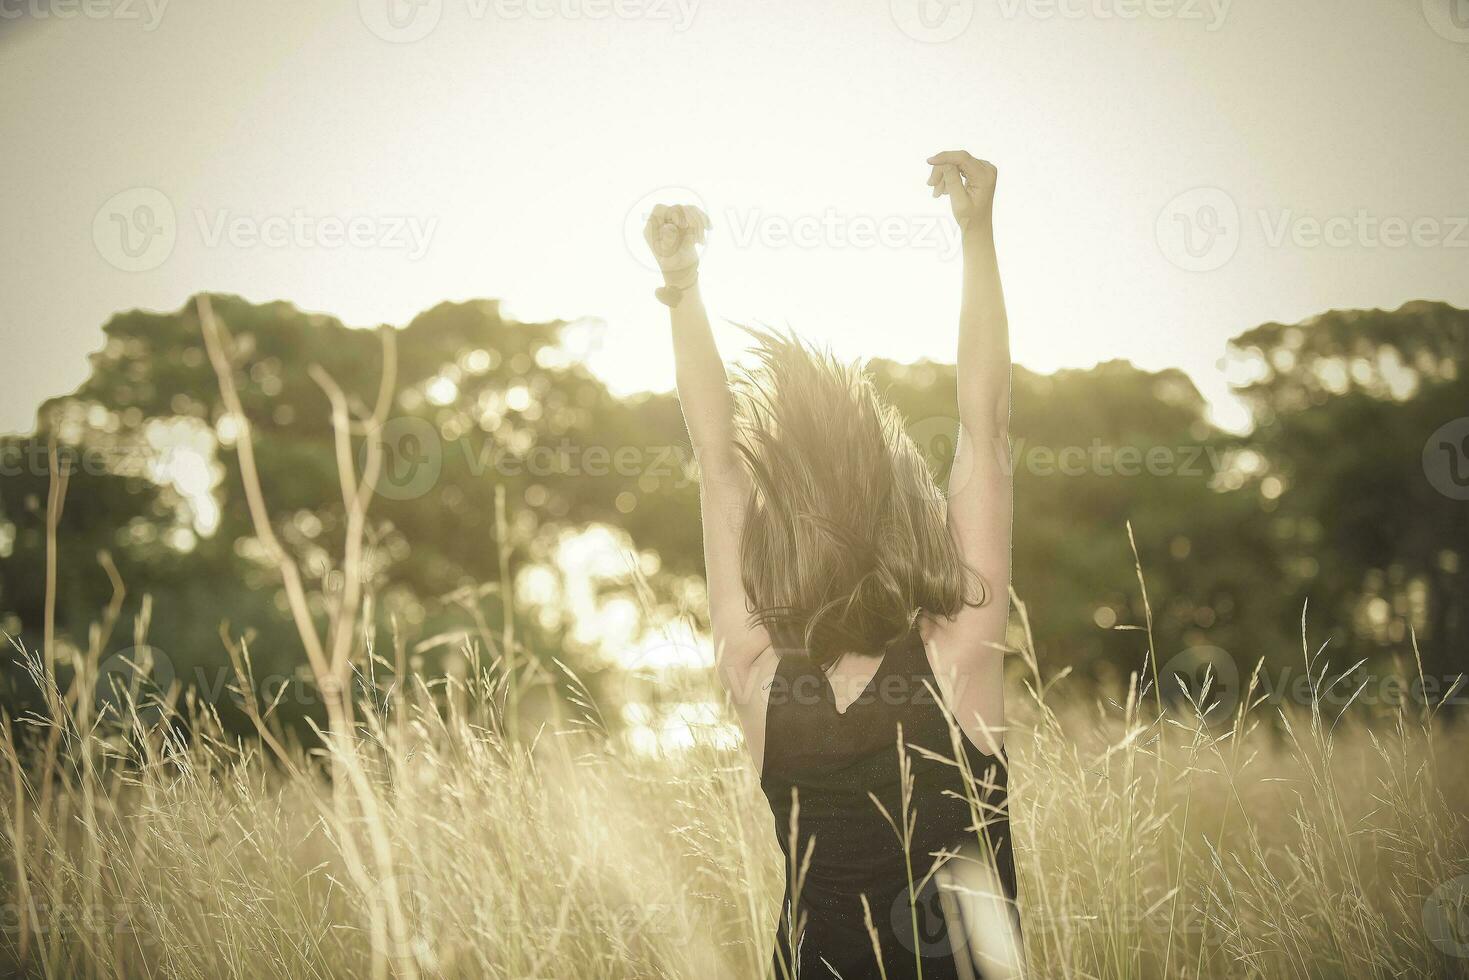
(858, 620)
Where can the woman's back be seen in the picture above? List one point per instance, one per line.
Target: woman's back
(822, 522)
(841, 776)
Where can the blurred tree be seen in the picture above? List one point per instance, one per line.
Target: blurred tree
(1093, 450)
(1362, 432)
(483, 401)
(1328, 498)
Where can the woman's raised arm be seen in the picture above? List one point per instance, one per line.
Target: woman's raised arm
(980, 486)
(674, 234)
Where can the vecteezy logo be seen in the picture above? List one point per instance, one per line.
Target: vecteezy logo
(937, 439)
(932, 21)
(962, 912)
(1446, 459)
(1208, 677)
(403, 900)
(638, 215)
(1446, 917)
(1449, 19)
(136, 229)
(647, 679)
(133, 680)
(401, 21)
(413, 458)
(1199, 230)
(927, 914)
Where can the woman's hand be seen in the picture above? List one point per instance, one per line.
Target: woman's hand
(969, 184)
(675, 234)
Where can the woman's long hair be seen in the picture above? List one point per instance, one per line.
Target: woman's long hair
(844, 540)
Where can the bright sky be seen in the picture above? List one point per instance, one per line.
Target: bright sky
(327, 154)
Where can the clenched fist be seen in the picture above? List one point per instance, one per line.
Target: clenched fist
(969, 184)
(674, 233)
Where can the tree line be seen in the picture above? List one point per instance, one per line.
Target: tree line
(1347, 497)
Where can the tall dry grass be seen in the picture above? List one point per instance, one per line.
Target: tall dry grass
(1286, 843)
(431, 831)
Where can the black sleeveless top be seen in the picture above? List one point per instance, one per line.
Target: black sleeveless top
(834, 764)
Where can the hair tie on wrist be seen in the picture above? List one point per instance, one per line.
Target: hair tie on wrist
(670, 295)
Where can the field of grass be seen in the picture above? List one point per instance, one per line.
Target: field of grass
(1300, 840)
(482, 826)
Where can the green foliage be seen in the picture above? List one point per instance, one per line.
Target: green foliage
(1325, 500)
(1346, 405)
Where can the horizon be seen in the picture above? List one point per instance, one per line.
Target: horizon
(1243, 424)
